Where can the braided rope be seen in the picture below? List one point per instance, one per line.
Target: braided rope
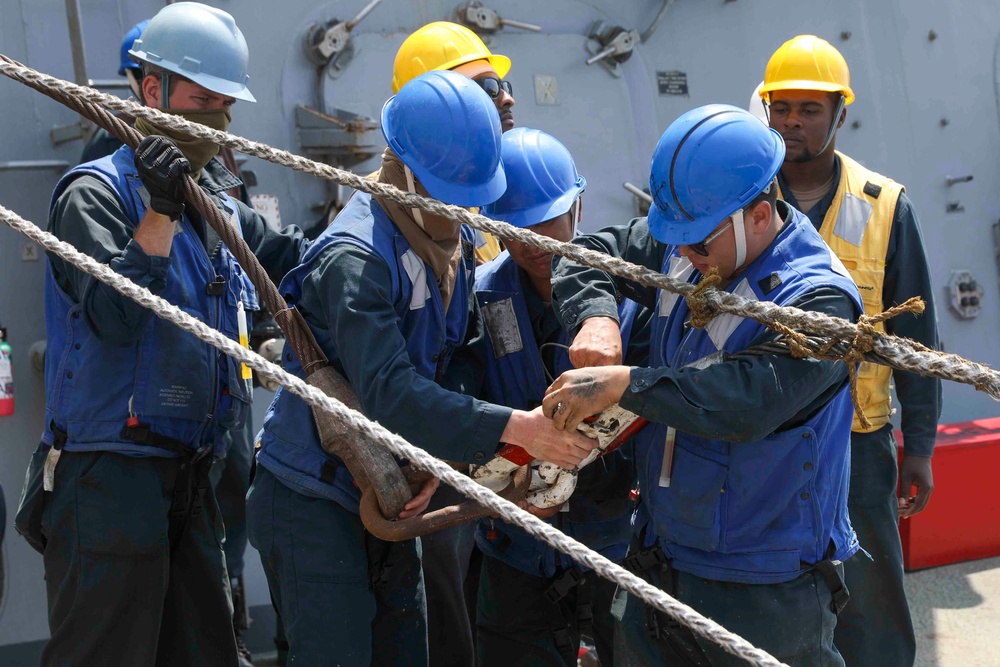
(355, 421)
(292, 325)
(899, 353)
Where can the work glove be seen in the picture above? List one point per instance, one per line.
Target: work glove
(162, 168)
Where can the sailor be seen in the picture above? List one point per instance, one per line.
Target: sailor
(443, 45)
(450, 554)
(230, 476)
(534, 602)
(387, 290)
(136, 408)
(868, 220)
(743, 474)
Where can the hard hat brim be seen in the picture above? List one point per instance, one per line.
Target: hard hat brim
(460, 194)
(544, 212)
(501, 64)
(121, 70)
(213, 83)
(806, 84)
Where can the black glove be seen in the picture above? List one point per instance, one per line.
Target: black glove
(162, 168)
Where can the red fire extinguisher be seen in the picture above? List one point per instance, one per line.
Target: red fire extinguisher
(6, 377)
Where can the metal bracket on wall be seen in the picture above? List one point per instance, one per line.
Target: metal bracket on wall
(965, 294)
(329, 44)
(484, 20)
(610, 45)
(341, 139)
(60, 134)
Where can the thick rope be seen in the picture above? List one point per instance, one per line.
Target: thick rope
(371, 468)
(356, 421)
(899, 353)
(860, 349)
(292, 324)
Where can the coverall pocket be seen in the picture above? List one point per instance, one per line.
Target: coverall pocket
(28, 520)
(688, 511)
(122, 507)
(235, 403)
(238, 396)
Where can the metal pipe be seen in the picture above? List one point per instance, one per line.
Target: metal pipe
(519, 24)
(601, 56)
(76, 42)
(952, 180)
(363, 13)
(109, 84)
(656, 21)
(637, 192)
(23, 165)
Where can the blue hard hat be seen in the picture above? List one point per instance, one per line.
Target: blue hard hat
(709, 163)
(447, 131)
(200, 43)
(542, 181)
(132, 35)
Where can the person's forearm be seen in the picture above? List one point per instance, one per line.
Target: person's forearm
(89, 216)
(579, 292)
(155, 234)
(743, 398)
(739, 401)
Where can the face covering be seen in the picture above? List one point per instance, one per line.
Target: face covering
(435, 239)
(199, 152)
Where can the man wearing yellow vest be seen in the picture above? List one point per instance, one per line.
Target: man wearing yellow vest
(446, 45)
(446, 554)
(867, 219)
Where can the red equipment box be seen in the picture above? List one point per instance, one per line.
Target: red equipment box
(962, 519)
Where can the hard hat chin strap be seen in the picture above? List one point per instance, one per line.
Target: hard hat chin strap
(833, 124)
(412, 188)
(739, 231)
(134, 83)
(575, 214)
(164, 90)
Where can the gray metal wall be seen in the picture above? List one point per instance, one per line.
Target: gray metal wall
(926, 109)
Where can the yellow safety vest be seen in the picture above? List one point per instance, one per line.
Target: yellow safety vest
(487, 247)
(856, 228)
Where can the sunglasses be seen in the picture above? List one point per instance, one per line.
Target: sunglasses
(493, 85)
(702, 248)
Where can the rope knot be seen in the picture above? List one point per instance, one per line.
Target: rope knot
(864, 343)
(701, 305)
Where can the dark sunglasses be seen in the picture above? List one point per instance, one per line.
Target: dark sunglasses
(702, 248)
(493, 85)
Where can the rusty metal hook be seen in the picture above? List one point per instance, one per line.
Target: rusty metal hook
(430, 522)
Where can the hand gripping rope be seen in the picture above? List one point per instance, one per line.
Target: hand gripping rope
(355, 423)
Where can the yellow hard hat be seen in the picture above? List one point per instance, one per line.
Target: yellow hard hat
(441, 45)
(807, 62)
